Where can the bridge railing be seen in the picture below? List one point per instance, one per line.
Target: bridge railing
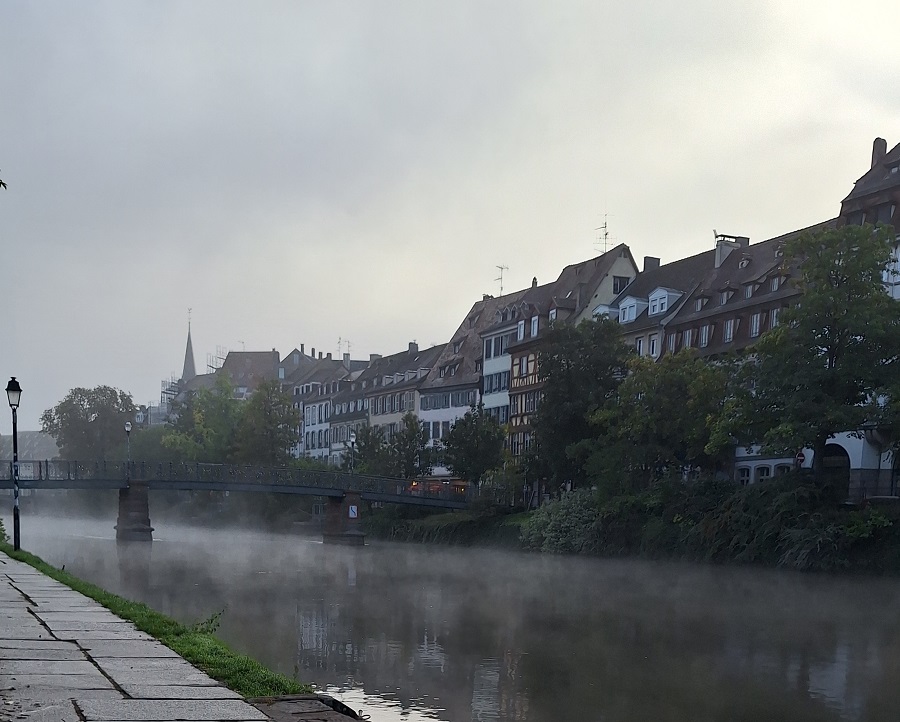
(225, 474)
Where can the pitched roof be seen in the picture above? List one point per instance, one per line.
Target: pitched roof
(879, 177)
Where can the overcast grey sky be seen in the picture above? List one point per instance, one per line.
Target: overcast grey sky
(299, 172)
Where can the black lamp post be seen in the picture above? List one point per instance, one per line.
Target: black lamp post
(14, 393)
(352, 437)
(128, 441)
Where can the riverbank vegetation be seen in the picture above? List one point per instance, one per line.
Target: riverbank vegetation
(195, 643)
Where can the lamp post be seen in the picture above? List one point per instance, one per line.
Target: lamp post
(128, 442)
(352, 438)
(14, 393)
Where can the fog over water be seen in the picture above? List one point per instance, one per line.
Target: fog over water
(414, 633)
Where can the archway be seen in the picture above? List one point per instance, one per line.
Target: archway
(836, 469)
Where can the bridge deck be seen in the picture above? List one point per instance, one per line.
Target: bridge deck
(228, 477)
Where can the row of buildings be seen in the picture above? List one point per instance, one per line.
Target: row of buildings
(719, 300)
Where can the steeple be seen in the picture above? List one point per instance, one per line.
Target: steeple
(189, 370)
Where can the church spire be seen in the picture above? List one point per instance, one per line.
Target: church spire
(189, 370)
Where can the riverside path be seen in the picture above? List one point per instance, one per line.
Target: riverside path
(66, 658)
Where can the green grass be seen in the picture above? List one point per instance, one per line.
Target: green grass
(236, 671)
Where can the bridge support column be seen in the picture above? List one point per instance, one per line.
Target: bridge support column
(342, 520)
(133, 524)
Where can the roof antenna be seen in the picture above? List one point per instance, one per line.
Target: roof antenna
(500, 277)
(602, 242)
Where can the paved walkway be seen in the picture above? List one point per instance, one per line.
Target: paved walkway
(65, 658)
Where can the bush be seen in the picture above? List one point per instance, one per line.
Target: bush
(565, 525)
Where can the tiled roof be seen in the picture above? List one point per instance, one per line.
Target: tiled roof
(251, 368)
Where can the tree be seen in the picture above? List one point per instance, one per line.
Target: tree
(409, 452)
(370, 454)
(833, 363)
(204, 425)
(474, 445)
(581, 366)
(268, 427)
(89, 424)
(659, 420)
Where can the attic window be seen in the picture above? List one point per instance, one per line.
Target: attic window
(552, 314)
(895, 169)
(745, 261)
(457, 346)
(779, 251)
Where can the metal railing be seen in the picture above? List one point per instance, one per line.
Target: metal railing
(158, 473)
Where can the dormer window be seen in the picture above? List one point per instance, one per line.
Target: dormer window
(534, 326)
(552, 314)
(724, 296)
(698, 304)
(748, 290)
(745, 261)
(457, 346)
(628, 313)
(520, 330)
(774, 283)
(659, 302)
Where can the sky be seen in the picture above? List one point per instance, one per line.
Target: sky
(305, 172)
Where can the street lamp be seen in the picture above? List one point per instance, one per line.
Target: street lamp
(14, 393)
(352, 438)
(128, 438)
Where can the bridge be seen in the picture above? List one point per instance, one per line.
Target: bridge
(134, 479)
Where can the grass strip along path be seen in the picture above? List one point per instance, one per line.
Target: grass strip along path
(195, 643)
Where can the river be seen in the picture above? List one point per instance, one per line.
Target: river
(409, 632)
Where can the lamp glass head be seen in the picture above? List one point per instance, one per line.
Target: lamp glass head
(127, 427)
(13, 393)
(352, 437)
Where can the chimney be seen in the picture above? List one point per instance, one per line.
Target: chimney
(534, 282)
(313, 354)
(302, 350)
(329, 356)
(413, 348)
(373, 357)
(651, 263)
(347, 361)
(879, 150)
(320, 355)
(726, 244)
(486, 296)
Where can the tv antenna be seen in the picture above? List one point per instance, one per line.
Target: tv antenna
(602, 242)
(343, 342)
(500, 277)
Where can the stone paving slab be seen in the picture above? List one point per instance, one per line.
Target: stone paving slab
(67, 681)
(150, 710)
(29, 653)
(143, 691)
(99, 648)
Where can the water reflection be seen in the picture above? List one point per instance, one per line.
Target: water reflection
(457, 634)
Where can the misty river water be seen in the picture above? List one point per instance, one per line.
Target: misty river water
(407, 632)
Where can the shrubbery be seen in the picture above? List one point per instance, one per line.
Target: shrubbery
(789, 522)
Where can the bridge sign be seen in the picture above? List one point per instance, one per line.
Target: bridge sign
(353, 511)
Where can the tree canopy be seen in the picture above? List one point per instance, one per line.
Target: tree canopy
(268, 427)
(474, 445)
(833, 362)
(581, 367)
(89, 424)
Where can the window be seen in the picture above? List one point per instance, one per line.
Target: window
(520, 330)
(627, 313)
(698, 304)
(763, 473)
(445, 428)
(754, 324)
(723, 297)
(773, 317)
(435, 429)
(619, 283)
(654, 306)
(743, 474)
(704, 335)
(670, 339)
(774, 283)
(552, 314)
(457, 346)
(663, 303)
(654, 345)
(748, 290)
(686, 338)
(489, 348)
(729, 331)
(639, 346)
(534, 326)
(523, 366)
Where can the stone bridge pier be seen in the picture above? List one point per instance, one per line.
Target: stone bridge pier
(133, 523)
(342, 520)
